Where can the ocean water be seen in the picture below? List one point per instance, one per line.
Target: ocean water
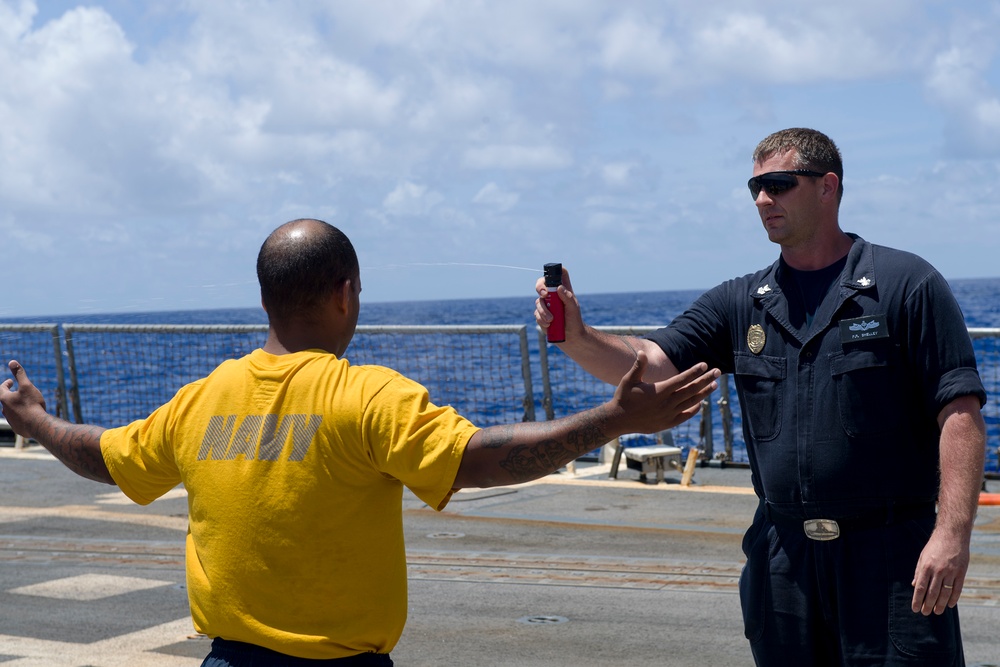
(979, 299)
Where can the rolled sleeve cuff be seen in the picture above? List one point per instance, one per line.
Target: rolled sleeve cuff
(957, 383)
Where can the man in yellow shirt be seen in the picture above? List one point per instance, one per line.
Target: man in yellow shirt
(294, 462)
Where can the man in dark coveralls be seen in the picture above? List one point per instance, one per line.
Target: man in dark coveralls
(861, 413)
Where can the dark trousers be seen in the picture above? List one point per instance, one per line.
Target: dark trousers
(844, 602)
(227, 653)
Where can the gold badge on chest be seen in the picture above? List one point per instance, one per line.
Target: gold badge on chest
(756, 338)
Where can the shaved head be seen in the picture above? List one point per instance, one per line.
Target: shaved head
(301, 264)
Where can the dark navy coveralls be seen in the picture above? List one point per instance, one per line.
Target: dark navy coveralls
(840, 421)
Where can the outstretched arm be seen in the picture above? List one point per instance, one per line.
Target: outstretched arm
(605, 356)
(78, 446)
(517, 453)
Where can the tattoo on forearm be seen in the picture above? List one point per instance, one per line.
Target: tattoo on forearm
(78, 447)
(527, 462)
(586, 438)
(497, 437)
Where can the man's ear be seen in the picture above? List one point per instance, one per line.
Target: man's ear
(831, 184)
(343, 295)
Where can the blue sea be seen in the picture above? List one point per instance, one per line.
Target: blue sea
(979, 299)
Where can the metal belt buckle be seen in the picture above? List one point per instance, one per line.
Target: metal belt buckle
(821, 529)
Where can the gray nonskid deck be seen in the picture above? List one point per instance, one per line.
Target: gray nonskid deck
(570, 570)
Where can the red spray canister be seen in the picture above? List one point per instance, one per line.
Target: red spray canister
(553, 279)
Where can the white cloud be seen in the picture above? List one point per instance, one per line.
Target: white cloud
(617, 174)
(634, 45)
(458, 100)
(15, 21)
(517, 157)
(33, 240)
(409, 199)
(519, 34)
(58, 82)
(492, 195)
(150, 132)
(987, 114)
(964, 80)
(954, 77)
(790, 50)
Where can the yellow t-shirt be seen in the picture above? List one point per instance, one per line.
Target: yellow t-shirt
(294, 467)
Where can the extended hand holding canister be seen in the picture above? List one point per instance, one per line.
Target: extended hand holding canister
(553, 279)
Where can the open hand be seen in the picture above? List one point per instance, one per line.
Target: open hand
(650, 408)
(21, 407)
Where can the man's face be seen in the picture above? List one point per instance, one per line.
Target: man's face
(790, 218)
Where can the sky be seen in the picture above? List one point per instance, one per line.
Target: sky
(147, 148)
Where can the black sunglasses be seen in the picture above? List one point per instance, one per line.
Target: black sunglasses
(776, 182)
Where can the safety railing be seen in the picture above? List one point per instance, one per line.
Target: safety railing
(986, 342)
(566, 388)
(118, 373)
(489, 380)
(39, 348)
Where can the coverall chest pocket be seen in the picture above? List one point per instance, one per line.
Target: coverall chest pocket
(759, 380)
(870, 401)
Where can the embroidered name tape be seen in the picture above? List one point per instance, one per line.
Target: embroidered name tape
(868, 327)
